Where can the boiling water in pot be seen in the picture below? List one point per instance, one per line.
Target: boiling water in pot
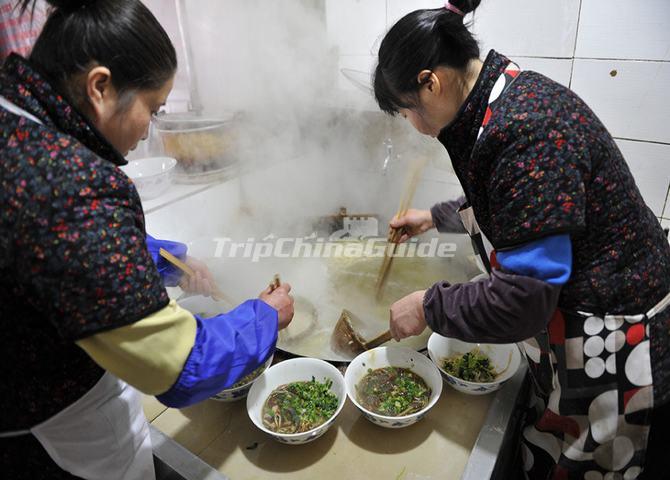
(322, 287)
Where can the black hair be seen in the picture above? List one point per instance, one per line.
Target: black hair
(421, 40)
(122, 35)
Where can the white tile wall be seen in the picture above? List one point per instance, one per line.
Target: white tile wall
(539, 28)
(634, 103)
(544, 28)
(358, 70)
(648, 162)
(399, 8)
(355, 26)
(624, 29)
(554, 68)
(570, 41)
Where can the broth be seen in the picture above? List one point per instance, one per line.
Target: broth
(299, 406)
(393, 391)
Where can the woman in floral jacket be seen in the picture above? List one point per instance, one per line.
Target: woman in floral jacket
(83, 308)
(583, 267)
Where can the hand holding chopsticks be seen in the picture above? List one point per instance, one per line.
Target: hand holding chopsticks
(277, 296)
(275, 283)
(395, 234)
(216, 293)
(413, 223)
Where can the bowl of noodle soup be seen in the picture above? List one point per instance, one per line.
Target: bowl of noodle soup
(397, 376)
(297, 400)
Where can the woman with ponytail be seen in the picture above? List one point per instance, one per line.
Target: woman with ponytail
(581, 268)
(83, 308)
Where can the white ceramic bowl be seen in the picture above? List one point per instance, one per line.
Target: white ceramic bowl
(288, 371)
(241, 391)
(152, 176)
(505, 357)
(401, 357)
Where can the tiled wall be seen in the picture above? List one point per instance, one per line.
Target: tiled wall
(614, 53)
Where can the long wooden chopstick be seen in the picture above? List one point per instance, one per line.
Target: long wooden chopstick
(217, 294)
(394, 234)
(176, 262)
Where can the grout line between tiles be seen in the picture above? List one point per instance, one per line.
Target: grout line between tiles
(574, 48)
(639, 140)
(666, 208)
(645, 60)
(604, 59)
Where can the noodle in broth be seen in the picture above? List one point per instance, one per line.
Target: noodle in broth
(299, 406)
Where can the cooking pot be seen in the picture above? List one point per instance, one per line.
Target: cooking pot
(323, 286)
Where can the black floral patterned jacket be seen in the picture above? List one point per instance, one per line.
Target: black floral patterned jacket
(73, 258)
(544, 165)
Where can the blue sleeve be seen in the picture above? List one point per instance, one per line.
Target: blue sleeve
(168, 272)
(226, 348)
(548, 259)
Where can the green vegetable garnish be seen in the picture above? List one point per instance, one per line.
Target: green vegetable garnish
(393, 391)
(248, 378)
(473, 366)
(299, 406)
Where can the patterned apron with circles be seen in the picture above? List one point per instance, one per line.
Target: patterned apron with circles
(590, 413)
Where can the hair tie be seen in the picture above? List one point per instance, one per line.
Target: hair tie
(454, 9)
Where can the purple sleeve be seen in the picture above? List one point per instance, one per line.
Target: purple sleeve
(446, 218)
(502, 309)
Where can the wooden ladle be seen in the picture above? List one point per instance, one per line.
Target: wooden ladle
(346, 340)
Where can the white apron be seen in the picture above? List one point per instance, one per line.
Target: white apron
(102, 436)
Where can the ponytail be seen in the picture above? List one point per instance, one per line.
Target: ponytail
(422, 40)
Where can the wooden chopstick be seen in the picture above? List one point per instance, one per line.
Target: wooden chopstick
(176, 262)
(275, 283)
(394, 234)
(217, 294)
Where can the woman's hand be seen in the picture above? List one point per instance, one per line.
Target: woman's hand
(407, 316)
(414, 222)
(280, 300)
(202, 283)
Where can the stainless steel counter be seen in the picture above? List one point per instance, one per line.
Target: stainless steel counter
(461, 437)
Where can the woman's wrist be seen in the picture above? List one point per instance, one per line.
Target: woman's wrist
(429, 222)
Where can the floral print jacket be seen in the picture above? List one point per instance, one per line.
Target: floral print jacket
(73, 257)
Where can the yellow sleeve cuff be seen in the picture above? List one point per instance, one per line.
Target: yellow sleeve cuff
(148, 354)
